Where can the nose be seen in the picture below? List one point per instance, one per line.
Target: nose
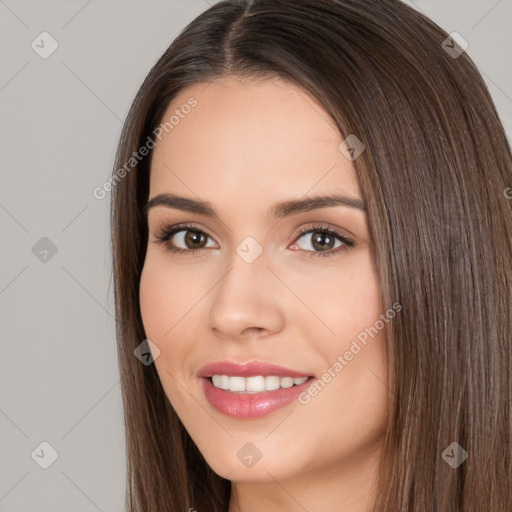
(247, 300)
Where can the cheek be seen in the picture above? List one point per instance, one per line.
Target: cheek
(152, 301)
(360, 299)
(169, 296)
(164, 297)
(164, 302)
(349, 303)
(346, 298)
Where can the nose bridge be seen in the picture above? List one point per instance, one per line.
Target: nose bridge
(246, 297)
(247, 264)
(244, 274)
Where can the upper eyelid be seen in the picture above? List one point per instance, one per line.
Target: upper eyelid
(318, 226)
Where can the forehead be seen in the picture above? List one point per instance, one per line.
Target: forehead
(252, 139)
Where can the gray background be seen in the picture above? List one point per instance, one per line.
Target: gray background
(60, 118)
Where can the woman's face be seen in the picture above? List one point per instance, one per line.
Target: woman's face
(250, 288)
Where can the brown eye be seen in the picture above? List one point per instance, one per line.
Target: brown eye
(322, 241)
(319, 240)
(195, 239)
(184, 239)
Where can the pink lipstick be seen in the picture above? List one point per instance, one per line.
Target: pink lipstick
(253, 389)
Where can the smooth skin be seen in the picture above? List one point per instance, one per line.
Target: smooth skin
(246, 146)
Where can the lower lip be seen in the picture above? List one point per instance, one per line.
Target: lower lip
(251, 405)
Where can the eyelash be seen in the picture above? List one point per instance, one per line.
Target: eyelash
(166, 234)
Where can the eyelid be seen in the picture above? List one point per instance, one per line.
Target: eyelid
(324, 226)
(166, 232)
(346, 242)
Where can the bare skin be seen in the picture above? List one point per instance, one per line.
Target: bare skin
(246, 146)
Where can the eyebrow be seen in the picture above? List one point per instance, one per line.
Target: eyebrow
(279, 210)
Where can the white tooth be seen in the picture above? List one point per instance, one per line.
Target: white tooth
(286, 382)
(272, 382)
(236, 384)
(255, 383)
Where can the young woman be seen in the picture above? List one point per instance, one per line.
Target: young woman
(312, 263)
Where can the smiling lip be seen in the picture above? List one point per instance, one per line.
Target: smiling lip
(249, 405)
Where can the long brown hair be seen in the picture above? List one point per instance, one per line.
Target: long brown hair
(434, 172)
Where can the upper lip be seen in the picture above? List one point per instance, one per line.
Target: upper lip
(248, 369)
